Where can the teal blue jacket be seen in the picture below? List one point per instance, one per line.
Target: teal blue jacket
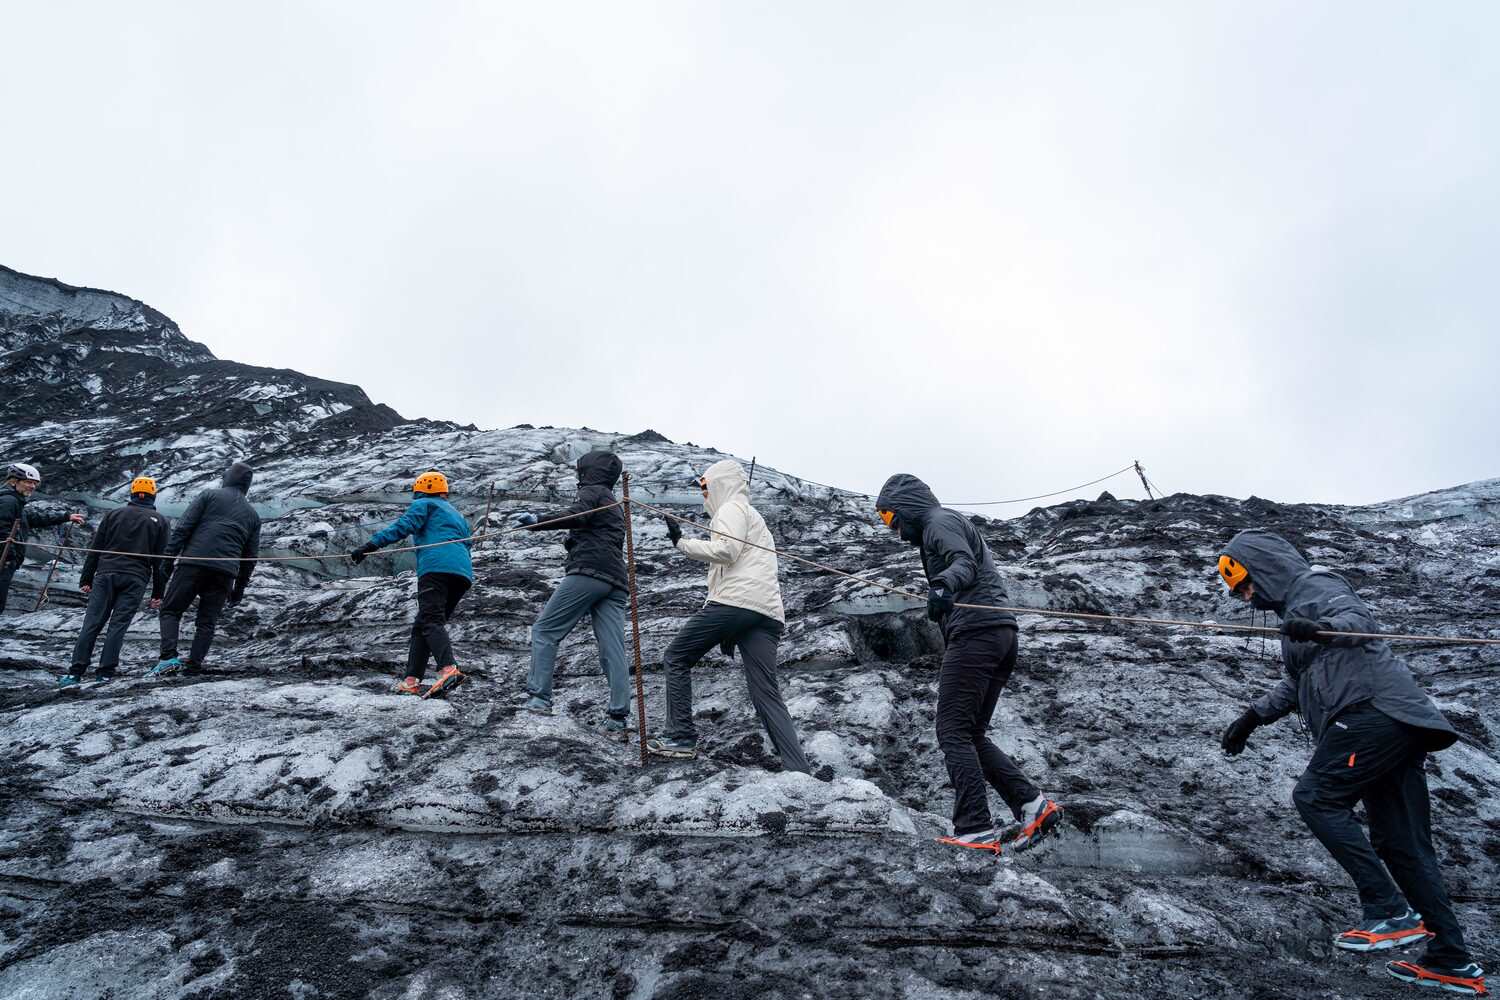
(428, 520)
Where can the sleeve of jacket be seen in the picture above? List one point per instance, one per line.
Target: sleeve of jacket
(1339, 612)
(46, 520)
(183, 530)
(1277, 702)
(568, 517)
(723, 544)
(952, 552)
(103, 539)
(409, 523)
(251, 550)
(10, 513)
(160, 568)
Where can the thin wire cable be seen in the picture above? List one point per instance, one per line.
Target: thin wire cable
(963, 503)
(1080, 615)
(332, 555)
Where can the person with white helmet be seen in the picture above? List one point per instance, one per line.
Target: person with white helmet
(124, 558)
(21, 481)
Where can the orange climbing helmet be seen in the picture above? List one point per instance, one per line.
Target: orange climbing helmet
(143, 484)
(430, 483)
(1233, 572)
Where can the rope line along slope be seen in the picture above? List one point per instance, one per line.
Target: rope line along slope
(1079, 615)
(478, 536)
(972, 503)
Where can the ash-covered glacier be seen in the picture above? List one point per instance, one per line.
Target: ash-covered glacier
(283, 826)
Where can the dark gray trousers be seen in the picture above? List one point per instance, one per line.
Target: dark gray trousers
(114, 599)
(211, 589)
(756, 636)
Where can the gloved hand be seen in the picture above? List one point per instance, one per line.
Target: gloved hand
(358, 555)
(1300, 629)
(1233, 740)
(939, 602)
(236, 596)
(673, 531)
(727, 648)
(525, 519)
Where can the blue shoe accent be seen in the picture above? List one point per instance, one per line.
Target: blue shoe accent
(165, 668)
(67, 681)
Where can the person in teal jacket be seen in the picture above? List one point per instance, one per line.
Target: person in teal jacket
(444, 574)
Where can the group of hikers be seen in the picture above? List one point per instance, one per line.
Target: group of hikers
(1372, 724)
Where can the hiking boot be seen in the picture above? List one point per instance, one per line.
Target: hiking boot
(448, 678)
(191, 669)
(676, 749)
(537, 706)
(104, 676)
(980, 840)
(1380, 935)
(165, 668)
(409, 686)
(616, 729)
(1467, 979)
(1038, 819)
(69, 682)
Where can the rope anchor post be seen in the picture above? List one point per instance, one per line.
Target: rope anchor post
(42, 597)
(635, 621)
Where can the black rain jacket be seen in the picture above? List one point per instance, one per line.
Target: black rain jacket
(953, 554)
(596, 542)
(13, 512)
(135, 527)
(220, 524)
(1323, 679)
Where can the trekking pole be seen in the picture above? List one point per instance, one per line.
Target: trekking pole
(489, 502)
(8, 539)
(635, 624)
(42, 597)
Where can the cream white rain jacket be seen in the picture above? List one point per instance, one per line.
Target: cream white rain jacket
(739, 575)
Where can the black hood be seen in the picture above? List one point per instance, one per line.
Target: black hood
(599, 468)
(239, 476)
(1273, 563)
(911, 500)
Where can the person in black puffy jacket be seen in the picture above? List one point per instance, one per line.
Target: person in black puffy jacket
(215, 543)
(21, 480)
(594, 585)
(116, 581)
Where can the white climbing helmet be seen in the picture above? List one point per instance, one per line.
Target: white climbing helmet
(20, 470)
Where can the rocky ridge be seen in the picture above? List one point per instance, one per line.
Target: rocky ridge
(191, 839)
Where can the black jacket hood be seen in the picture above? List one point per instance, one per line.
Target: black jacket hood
(1273, 563)
(238, 477)
(599, 468)
(911, 500)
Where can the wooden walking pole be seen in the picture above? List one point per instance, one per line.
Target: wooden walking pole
(635, 624)
(42, 597)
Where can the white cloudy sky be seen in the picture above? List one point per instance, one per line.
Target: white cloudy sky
(1252, 244)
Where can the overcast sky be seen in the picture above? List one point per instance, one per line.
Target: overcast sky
(1253, 245)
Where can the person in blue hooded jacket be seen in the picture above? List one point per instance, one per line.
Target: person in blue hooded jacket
(444, 575)
(1374, 729)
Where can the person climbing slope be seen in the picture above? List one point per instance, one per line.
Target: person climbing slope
(216, 542)
(979, 656)
(595, 584)
(743, 611)
(21, 481)
(1374, 728)
(116, 579)
(444, 575)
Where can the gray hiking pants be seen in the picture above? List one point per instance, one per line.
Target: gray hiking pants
(756, 635)
(604, 603)
(113, 601)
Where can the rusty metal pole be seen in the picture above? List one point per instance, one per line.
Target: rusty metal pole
(635, 624)
(42, 597)
(8, 539)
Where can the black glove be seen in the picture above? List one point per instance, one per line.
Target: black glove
(673, 531)
(358, 555)
(236, 595)
(939, 602)
(525, 520)
(1300, 629)
(727, 648)
(1239, 731)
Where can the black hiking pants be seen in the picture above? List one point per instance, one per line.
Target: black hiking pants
(114, 600)
(437, 595)
(7, 572)
(1366, 756)
(756, 635)
(211, 589)
(976, 667)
